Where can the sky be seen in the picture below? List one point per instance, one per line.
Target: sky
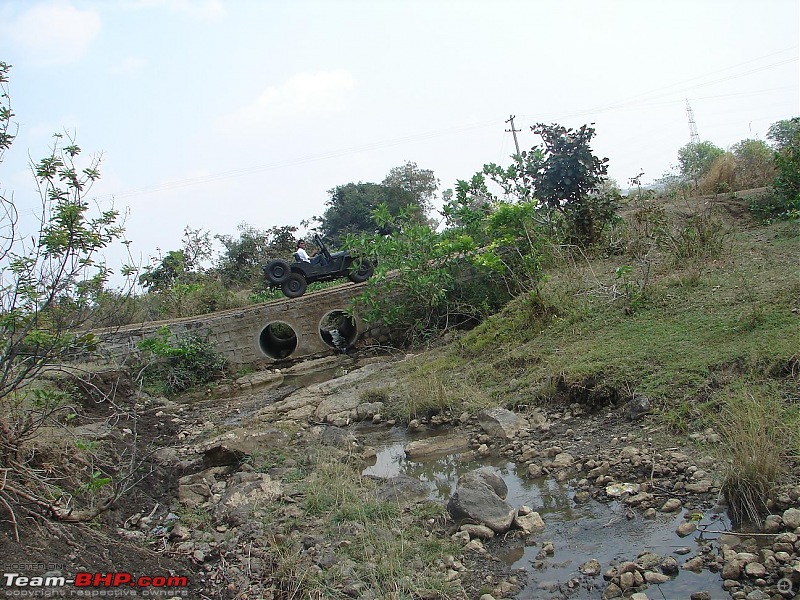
(214, 113)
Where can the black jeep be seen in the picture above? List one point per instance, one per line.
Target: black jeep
(293, 278)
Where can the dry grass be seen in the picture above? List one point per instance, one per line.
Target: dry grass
(760, 439)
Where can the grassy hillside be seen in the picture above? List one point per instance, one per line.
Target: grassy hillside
(705, 311)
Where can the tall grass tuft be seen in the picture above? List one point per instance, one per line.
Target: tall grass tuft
(759, 437)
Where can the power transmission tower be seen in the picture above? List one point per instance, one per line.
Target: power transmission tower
(513, 131)
(694, 137)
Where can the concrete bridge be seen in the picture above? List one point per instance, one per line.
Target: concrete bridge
(317, 323)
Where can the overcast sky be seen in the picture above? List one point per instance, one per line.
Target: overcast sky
(211, 113)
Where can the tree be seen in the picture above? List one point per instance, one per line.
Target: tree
(350, 207)
(421, 183)
(244, 256)
(563, 177)
(48, 283)
(696, 159)
(754, 164)
(785, 136)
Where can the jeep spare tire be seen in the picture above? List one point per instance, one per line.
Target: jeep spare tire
(277, 271)
(294, 285)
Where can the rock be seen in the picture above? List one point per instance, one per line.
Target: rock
(701, 487)
(773, 524)
(487, 476)
(732, 569)
(704, 595)
(637, 407)
(440, 445)
(655, 578)
(686, 528)
(672, 505)
(233, 446)
(591, 568)
(563, 460)
(791, 518)
(500, 422)
(480, 532)
(755, 569)
(613, 591)
(535, 471)
(669, 566)
(478, 502)
(530, 523)
(615, 490)
(649, 561)
(694, 564)
(248, 492)
(627, 581)
(402, 489)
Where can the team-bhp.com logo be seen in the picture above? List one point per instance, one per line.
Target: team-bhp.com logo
(93, 584)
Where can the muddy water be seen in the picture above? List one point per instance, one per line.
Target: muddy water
(593, 530)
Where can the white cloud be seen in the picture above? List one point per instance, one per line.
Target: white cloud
(131, 63)
(53, 33)
(306, 95)
(202, 9)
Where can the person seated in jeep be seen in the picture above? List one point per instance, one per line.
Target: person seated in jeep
(302, 256)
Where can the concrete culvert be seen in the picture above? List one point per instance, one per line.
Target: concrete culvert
(277, 340)
(338, 330)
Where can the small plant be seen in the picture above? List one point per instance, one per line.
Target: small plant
(177, 363)
(759, 435)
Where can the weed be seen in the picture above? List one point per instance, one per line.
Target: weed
(759, 433)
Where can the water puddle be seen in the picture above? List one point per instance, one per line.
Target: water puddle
(579, 532)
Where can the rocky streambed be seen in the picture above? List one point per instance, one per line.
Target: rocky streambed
(294, 484)
(555, 503)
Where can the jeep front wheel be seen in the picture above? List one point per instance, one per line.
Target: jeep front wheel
(361, 271)
(294, 286)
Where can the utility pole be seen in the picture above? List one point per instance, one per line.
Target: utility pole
(693, 135)
(513, 131)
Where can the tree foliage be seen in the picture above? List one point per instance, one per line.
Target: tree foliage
(695, 159)
(350, 207)
(241, 261)
(50, 279)
(420, 183)
(786, 137)
(754, 164)
(563, 177)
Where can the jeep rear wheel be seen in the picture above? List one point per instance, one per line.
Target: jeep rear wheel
(361, 271)
(277, 271)
(294, 285)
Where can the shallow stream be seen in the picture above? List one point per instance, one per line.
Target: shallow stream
(579, 532)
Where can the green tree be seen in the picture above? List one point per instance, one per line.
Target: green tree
(49, 281)
(350, 209)
(421, 183)
(563, 177)
(243, 257)
(785, 136)
(695, 159)
(754, 164)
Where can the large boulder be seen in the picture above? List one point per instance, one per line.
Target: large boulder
(474, 500)
(502, 423)
(487, 476)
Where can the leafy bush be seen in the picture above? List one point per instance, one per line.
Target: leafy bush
(173, 364)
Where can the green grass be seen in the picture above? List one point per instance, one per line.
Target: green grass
(693, 321)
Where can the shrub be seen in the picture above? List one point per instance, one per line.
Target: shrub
(173, 364)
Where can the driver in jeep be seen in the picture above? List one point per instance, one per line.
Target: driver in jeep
(302, 256)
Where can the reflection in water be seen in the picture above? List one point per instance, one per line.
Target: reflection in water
(579, 532)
